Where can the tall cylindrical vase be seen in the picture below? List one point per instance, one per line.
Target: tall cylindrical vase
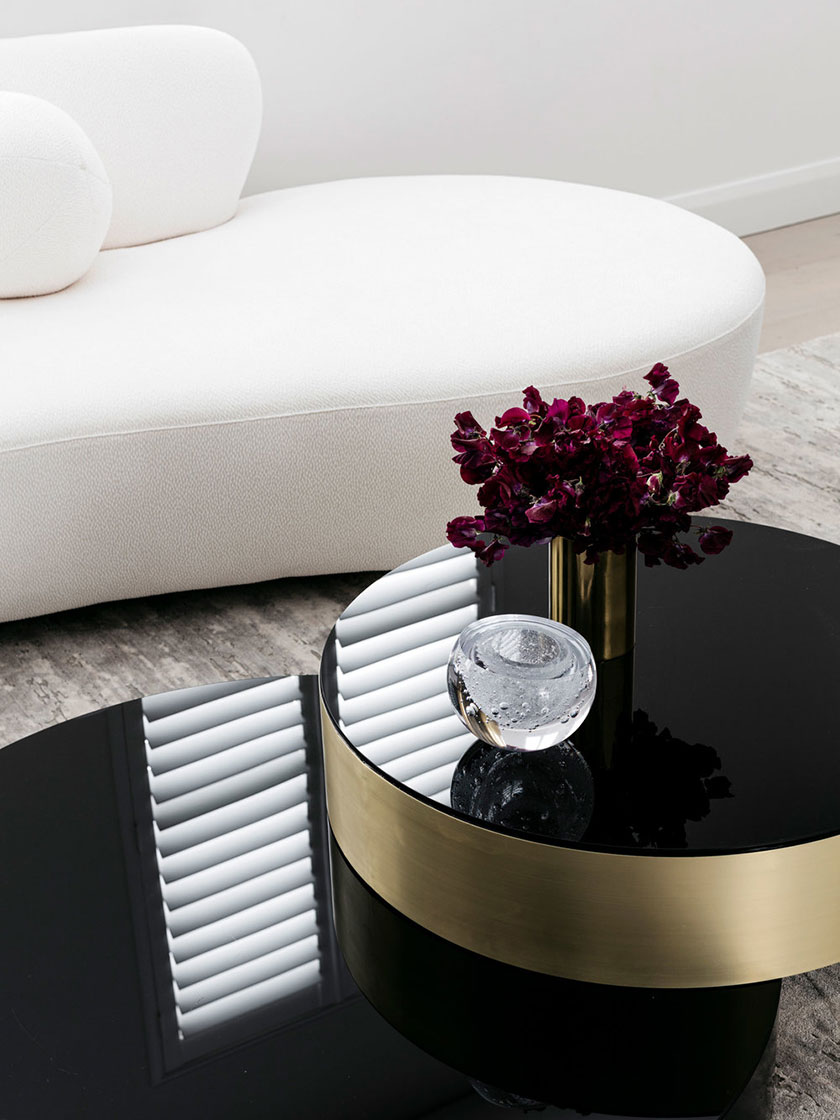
(598, 600)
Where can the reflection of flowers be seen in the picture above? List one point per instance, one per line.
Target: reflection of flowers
(655, 784)
(502, 1098)
(603, 475)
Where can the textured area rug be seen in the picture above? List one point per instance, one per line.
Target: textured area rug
(60, 666)
(791, 427)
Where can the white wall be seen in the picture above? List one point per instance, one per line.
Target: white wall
(731, 107)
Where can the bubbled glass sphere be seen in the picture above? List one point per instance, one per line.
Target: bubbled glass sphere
(520, 681)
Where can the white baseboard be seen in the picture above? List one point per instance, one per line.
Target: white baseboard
(762, 202)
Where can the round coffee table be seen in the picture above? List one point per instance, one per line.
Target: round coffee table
(708, 865)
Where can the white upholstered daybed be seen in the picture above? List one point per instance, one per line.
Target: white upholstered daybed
(243, 389)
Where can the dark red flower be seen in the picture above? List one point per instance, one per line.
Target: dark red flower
(737, 467)
(658, 376)
(461, 531)
(633, 468)
(533, 401)
(664, 386)
(499, 491)
(475, 451)
(677, 554)
(468, 428)
(714, 539)
(614, 419)
(513, 417)
(543, 509)
(491, 552)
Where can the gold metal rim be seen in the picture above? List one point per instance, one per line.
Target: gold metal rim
(601, 917)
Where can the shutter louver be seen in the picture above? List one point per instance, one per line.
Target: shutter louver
(392, 645)
(227, 776)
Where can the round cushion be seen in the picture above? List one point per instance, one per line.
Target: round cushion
(55, 198)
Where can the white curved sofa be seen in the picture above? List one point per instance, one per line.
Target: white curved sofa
(240, 390)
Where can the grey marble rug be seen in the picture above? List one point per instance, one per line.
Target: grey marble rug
(60, 666)
(791, 427)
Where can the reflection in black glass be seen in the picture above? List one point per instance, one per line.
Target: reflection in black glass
(584, 1048)
(231, 829)
(384, 667)
(547, 792)
(501, 1098)
(654, 785)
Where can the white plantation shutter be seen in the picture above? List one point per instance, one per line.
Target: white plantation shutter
(228, 786)
(392, 646)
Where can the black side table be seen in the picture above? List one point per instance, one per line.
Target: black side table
(708, 865)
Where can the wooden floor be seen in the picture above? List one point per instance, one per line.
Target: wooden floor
(802, 264)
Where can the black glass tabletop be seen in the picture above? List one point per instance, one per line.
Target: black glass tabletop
(168, 949)
(720, 726)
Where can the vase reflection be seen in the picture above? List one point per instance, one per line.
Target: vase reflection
(598, 737)
(655, 784)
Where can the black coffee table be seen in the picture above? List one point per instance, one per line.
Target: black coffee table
(171, 891)
(91, 1024)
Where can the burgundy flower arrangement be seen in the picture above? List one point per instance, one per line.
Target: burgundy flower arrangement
(603, 475)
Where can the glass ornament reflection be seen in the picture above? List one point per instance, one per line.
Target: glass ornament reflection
(540, 793)
(521, 682)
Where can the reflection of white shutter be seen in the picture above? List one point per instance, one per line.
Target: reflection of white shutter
(227, 777)
(392, 646)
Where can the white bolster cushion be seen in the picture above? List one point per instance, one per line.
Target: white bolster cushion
(55, 198)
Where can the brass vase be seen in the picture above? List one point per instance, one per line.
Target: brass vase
(598, 600)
